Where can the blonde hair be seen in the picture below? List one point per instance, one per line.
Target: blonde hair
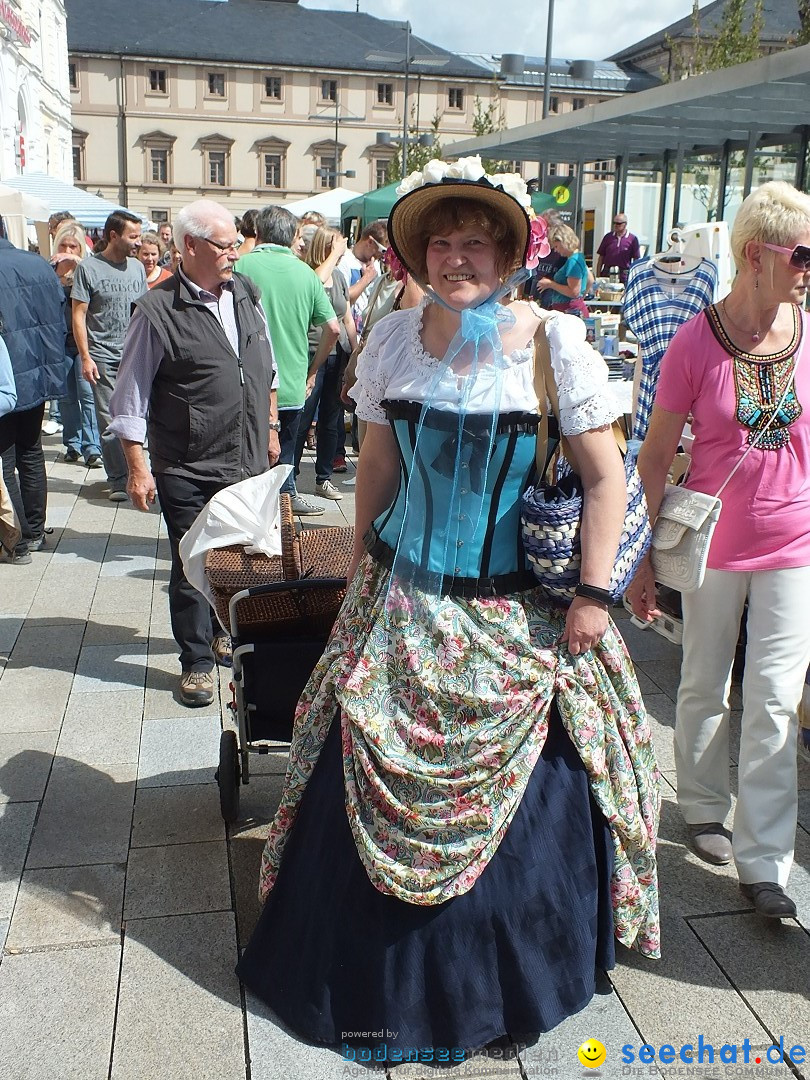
(70, 230)
(558, 233)
(773, 214)
(320, 246)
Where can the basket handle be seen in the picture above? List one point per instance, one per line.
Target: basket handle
(290, 544)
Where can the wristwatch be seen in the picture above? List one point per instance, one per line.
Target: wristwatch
(275, 425)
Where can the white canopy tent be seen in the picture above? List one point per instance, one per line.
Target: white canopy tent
(89, 210)
(16, 209)
(327, 203)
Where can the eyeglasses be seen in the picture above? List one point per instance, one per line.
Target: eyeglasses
(621, 222)
(223, 248)
(799, 256)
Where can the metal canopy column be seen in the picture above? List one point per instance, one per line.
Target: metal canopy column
(753, 138)
(722, 183)
(662, 204)
(801, 161)
(617, 174)
(676, 199)
(623, 170)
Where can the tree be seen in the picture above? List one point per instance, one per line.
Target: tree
(486, 121)
(804, 20)
(418, 156)
(731, 44)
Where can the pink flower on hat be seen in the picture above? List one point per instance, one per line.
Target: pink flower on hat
(397, 270)
(539, 246)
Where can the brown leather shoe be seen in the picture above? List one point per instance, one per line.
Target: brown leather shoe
(712, 842)
(221, 648)
(196, 688)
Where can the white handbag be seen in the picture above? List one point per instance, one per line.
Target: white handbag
(682, 533)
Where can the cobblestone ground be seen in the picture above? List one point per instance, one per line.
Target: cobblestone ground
(124, 899)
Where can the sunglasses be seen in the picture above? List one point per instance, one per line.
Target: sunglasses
(799, 256)
(619, 222)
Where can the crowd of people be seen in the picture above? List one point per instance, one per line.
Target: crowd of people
(472, 799)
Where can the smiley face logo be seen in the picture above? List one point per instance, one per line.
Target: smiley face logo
(592, 1054)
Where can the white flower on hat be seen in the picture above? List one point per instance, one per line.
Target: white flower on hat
(513, 184)
(413, 180)
(469, 168)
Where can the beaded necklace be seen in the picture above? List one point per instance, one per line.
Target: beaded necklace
(760, 383)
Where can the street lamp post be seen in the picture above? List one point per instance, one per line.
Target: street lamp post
(547, 79)
(336, 172)
(427, 60)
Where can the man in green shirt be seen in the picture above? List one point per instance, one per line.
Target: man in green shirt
(293, 299)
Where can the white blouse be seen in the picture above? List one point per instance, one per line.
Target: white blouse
(394, 365)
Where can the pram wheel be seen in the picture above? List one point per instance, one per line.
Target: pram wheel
(229, 776)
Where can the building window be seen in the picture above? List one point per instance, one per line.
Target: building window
(272, 170)
(73, 76)
(78, 161)
(216, 168)
(159, 160)
(579, 103)
(455, 97)
(216, 84)
(272, 87)
(602, 170)
(157, 80)
(381, 172)
(325, 173)
(385, 93)
(329, 89)
(552, 169)
(553, 103)
(160, 217)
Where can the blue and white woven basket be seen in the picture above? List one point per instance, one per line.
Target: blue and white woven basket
(551, 516)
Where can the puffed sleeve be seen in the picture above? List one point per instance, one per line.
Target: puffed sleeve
(581, 375)
(375, 365)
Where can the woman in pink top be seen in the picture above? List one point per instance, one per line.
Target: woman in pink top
(729, 368)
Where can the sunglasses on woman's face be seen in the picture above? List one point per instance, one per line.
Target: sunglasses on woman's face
(799, 256)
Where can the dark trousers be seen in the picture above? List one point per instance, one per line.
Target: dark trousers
(21, 449)
(193, 621)
(290, 420)
(326, 399)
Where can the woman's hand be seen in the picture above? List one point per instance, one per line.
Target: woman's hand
(585, 625)
(641, 593)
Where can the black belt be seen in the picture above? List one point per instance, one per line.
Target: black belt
(468, 588)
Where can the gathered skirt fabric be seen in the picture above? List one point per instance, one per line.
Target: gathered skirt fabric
(336, 958)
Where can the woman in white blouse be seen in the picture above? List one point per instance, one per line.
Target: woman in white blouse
(471, 777)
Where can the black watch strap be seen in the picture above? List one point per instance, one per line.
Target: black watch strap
(593, 592)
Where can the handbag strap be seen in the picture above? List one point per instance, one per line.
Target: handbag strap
(761, 433)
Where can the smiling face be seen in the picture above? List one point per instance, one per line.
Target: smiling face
(461, 266)
(592, 1054)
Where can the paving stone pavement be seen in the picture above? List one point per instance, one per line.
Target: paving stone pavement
(124, 899)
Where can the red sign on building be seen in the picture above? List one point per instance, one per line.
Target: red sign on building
(12, 20)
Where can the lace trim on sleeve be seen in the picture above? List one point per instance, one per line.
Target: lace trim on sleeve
(581, 376)
(374, 367)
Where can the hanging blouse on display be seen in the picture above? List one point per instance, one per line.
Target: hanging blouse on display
(656, 303)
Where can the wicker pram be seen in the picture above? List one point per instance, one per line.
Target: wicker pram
(279, 612)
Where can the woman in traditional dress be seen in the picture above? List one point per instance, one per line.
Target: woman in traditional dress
(470, 808)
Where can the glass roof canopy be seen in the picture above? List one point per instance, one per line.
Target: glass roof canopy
(762, 103)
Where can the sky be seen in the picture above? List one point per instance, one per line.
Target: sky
(583, 29)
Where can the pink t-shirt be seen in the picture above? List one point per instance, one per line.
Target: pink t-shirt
(765, 520)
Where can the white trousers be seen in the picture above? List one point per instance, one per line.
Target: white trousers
(776, 659)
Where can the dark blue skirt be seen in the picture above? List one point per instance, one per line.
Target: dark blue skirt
(335, 958)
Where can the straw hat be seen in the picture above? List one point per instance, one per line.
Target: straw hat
(403, 222)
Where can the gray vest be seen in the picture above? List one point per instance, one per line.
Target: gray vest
(209, 408)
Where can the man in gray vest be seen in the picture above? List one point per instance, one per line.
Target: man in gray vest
(198, 374)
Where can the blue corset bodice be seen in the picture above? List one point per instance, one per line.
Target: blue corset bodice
(484, 535)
